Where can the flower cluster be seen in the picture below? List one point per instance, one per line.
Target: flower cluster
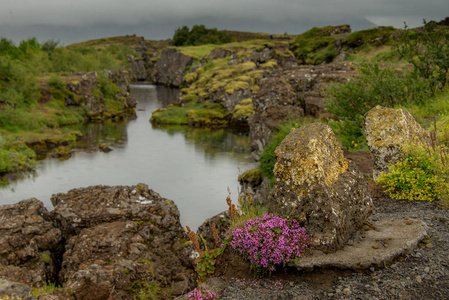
(269, 241)
(202, 294)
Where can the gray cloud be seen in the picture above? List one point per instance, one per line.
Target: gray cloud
(293, 16)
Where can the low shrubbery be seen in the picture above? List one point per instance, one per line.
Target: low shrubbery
(423, 173)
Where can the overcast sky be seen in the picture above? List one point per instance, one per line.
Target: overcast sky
(77, 20)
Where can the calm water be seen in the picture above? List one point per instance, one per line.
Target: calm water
(193, 167)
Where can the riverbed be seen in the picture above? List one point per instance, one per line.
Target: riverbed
(192, 166)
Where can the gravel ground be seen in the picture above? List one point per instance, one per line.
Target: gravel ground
(423, 274)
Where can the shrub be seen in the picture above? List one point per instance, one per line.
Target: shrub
(269, 241)
(423, 174)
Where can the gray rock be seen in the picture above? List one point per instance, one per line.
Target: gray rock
(383, 242)
(317, 185)
(171, 67)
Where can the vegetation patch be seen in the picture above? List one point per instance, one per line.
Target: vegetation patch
(193, 113)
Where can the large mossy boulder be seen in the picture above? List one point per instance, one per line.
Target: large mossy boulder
(315, 184)
(122, 241)
(386, 131)
(29, 243)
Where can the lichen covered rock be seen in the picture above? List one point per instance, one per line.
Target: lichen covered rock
(386, 130)
(315, 184)
(28, 243)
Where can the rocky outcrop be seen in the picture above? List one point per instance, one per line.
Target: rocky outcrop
(386, 130)
(83, 94)
(171, 67)
(119, 240)
(29, 243)
(291, 93)
(315, 184)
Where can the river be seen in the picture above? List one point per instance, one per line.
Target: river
(192, 166)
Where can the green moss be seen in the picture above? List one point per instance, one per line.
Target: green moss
(44, 257)
(253, 177)
(269, 64)
(244, 109)
(233, 86)
(190, 77)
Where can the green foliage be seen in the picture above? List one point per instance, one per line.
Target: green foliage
(17, 87)
(199, 35)
(375, 36)
(15, 156)
(373, 86)
(205, 263)
(423, 174)
(267, 157)
(428, 51)
(314, 50)
(106, 86)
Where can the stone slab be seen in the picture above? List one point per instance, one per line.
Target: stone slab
(380, 243)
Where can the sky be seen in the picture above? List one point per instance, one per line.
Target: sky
(70, 21)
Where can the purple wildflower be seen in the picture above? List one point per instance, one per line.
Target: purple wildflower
(202, 294)
(269, 241)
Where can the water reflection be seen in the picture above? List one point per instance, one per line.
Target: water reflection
(192, 166)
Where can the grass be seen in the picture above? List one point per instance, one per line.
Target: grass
(193, 113)
(196, 52)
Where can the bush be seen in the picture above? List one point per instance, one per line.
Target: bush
(423, 174)
(269, 241)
